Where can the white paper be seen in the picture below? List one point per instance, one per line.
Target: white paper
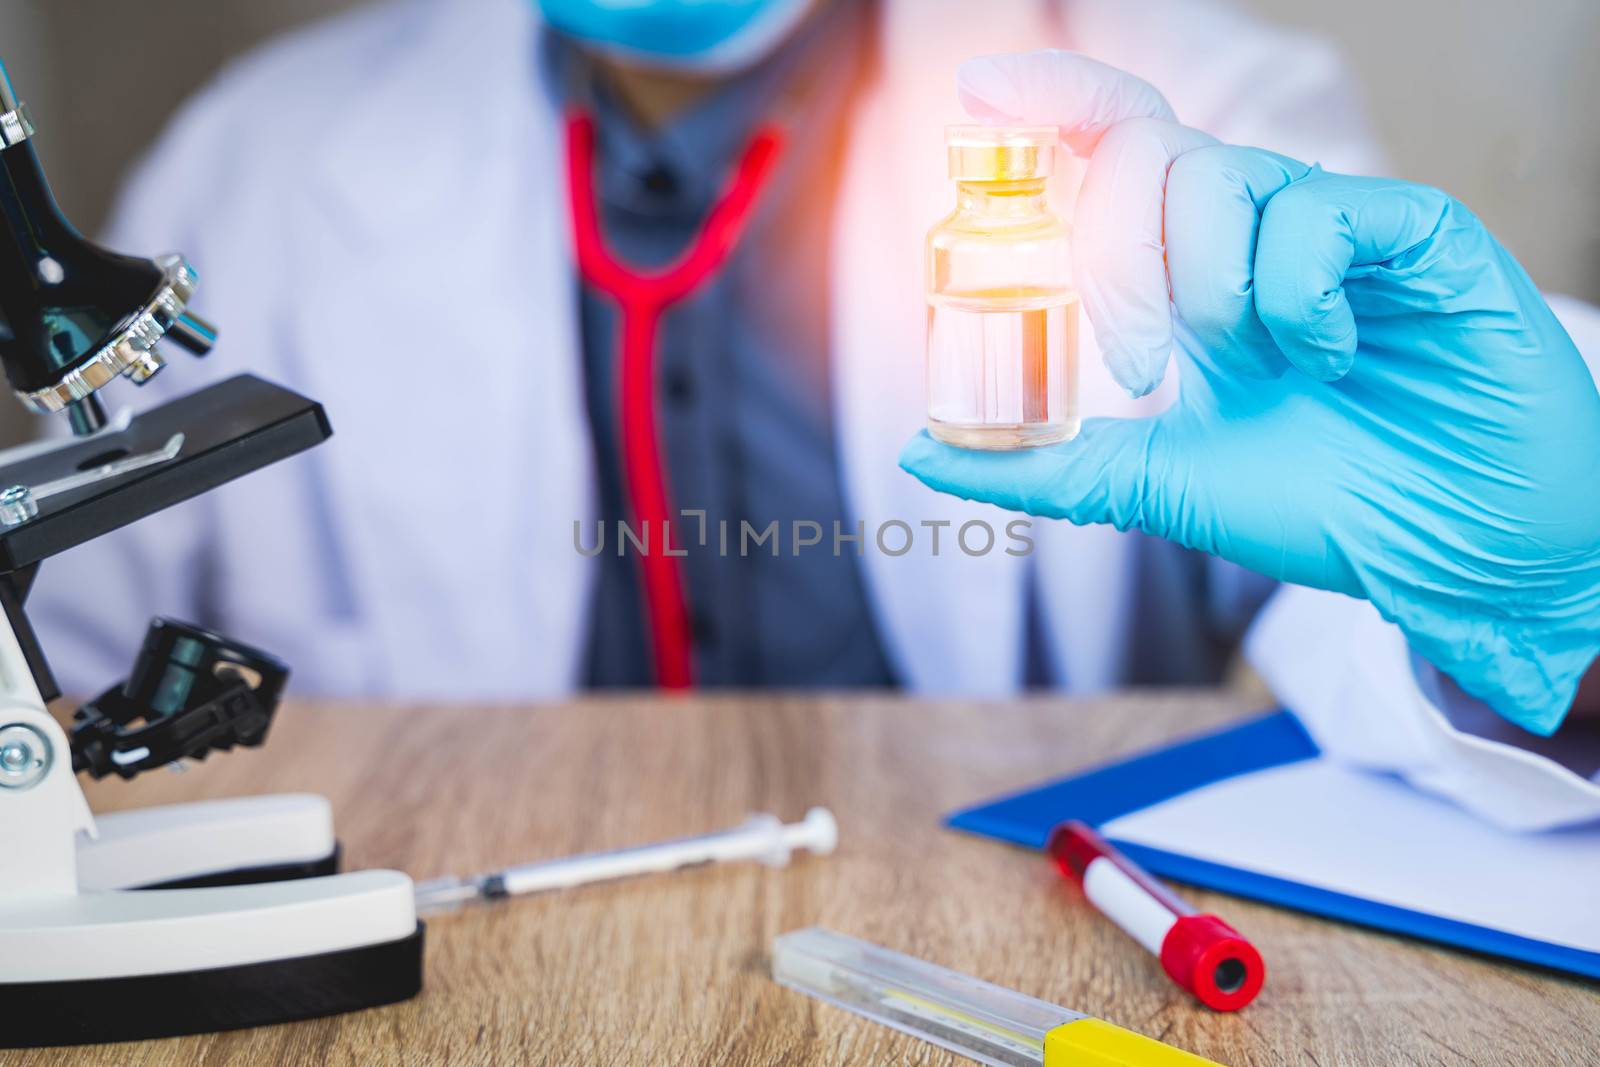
(1373, 836)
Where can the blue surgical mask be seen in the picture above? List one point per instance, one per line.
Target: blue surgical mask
(703, 36)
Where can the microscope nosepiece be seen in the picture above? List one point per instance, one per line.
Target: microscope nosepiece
(74, 316)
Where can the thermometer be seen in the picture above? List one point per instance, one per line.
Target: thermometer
(984, 1022)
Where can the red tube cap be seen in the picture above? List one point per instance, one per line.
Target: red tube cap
(1208, 958)
(1073, 845)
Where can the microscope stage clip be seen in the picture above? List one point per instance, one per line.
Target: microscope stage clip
(19, 503)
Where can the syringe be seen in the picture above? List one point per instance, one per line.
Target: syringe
(973, 1018)
(763, 838)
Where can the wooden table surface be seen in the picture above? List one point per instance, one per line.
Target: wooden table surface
(672, 970)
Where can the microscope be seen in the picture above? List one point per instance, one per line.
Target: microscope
(186, 918)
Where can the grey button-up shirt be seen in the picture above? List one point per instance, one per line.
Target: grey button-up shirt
(743, 392)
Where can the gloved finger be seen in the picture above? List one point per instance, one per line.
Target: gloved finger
(1119, 247)
(1099, 476)
(1316, 233)
(1052, 87)
(1213, 211)
(1132, 137)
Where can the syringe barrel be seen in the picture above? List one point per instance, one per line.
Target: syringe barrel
(753, 840)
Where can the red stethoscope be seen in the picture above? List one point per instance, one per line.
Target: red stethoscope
(642, 298)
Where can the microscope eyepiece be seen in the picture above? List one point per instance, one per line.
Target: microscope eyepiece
(74, 316)
(8, 94)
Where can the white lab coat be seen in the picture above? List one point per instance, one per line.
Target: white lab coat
(377, 209)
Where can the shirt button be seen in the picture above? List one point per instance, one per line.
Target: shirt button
(659, 181)
(679, 386)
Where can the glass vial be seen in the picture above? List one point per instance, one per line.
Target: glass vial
(1002, 313)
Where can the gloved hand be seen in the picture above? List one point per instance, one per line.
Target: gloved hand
(1374, 398)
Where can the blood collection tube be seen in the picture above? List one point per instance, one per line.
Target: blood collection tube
(1200, 952)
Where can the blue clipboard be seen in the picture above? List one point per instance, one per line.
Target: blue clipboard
(1108, 792)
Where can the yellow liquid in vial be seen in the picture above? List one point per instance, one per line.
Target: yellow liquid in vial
(1003, 367)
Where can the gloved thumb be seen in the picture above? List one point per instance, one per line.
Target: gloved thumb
(1052, 87)
(1100, 476)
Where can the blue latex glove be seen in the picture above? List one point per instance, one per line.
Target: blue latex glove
(1374, 398)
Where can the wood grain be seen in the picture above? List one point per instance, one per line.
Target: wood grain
(672, 969)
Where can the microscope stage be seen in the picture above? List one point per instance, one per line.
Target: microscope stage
(229, 429)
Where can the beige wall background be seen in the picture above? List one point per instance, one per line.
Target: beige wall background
(1498, 103)
(1492, 101)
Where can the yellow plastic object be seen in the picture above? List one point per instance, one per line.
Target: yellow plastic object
(1093, 1043)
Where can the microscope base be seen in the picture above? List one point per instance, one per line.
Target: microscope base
(121, 966)
(238, 841)
(277, 872)
(142, 1007)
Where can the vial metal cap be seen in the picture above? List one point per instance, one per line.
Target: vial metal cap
(1000, 153)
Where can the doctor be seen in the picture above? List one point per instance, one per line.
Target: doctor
(623, 262)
